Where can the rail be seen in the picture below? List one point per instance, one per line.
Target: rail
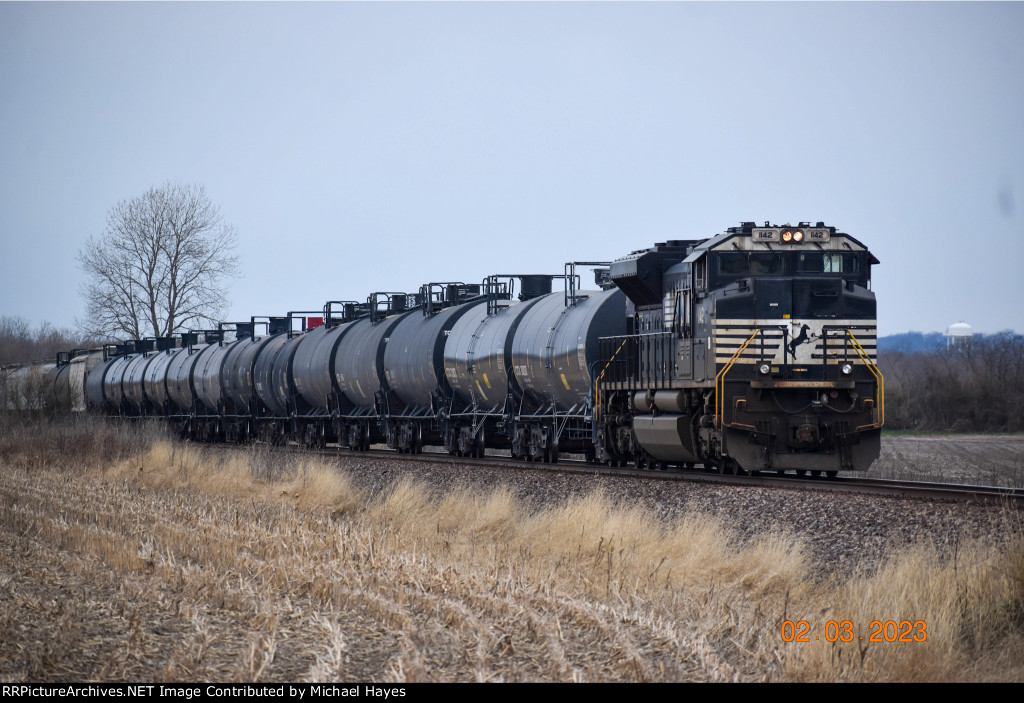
(720, 380)
(879, 386)
(597, 381)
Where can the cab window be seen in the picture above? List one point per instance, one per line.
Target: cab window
(732, 264)
(826, 262)
(765, 264)
(743, 264)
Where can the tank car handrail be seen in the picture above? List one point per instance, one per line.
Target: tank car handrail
(880, 387)
(572, 279)
(350, 309)
(720, 380)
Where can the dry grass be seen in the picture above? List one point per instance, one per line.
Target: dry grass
(159, 560)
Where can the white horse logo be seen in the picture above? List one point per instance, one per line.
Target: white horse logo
(802, 341)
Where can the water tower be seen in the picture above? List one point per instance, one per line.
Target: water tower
(958, 334)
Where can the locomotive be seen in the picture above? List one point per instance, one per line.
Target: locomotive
(753, 350)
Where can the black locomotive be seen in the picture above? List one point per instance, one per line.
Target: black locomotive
(752, 350)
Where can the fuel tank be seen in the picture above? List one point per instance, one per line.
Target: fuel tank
(206, 375)
(555, 349)
(414, 355)
(238, 374)
(179, 377)
(313, 365)
(80, 369)
(359, 360)
(95, 393)
(263, 372)
(133, 380)
(478, 354)
(282, 390)
(113, 379)
(154, 382)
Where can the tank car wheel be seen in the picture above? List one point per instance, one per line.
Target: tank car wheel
(802, 472)
(831, 474)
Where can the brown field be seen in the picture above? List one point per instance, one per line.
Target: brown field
(125, 556)
(985, 460)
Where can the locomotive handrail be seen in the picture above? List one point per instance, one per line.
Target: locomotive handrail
(597, 381)
(720, 380)
(880, 386)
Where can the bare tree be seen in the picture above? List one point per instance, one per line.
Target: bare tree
(159, 266)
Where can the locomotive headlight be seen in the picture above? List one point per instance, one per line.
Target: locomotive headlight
(798, 236)
(787, 235)
(847, 369)
(764, 369)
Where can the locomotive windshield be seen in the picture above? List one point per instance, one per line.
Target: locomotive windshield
(816, 262)
(729, 265)
(742, 264)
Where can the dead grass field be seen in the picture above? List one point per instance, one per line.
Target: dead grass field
(124, 556)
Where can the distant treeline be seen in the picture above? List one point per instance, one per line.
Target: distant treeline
(977, 385)
(909, 342)
(20, 343)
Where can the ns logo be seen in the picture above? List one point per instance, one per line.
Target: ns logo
(799, 343)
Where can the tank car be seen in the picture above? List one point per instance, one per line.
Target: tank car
(752, 350)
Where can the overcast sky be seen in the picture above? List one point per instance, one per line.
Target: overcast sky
(363, 146)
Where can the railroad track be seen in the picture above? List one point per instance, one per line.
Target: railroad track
(850, 484)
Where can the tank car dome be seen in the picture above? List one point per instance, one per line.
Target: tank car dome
(960, 329)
